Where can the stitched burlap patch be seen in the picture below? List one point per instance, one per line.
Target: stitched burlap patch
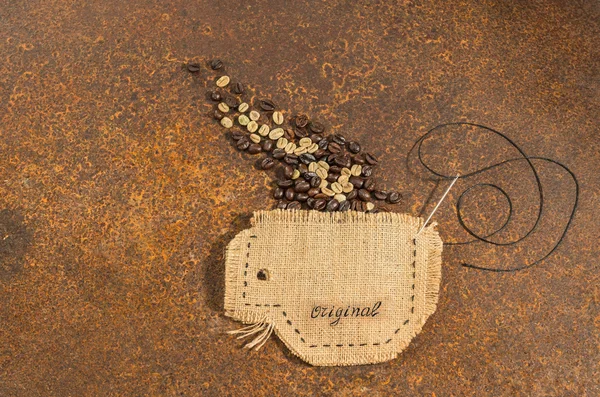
(341, 288)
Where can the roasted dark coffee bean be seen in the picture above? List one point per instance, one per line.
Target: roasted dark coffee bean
(285, 183)
(343, 161)
(332, 205)
(315, 181)
(301, 121)
(278, 193)
(294, 205)
(218, 115)
(254, 148)
(320, 204)
(267, 145)
(319, 153)
(367, 171)
(300, 133)
(358, 159)
(309, 176)
(316, 138)
(344, 206)
(313, 191)
(279, 153)
(307, 158)
(353, 204)
(216, 96)
(288, 171)
(303, 169)
(371, 159)
(334, 147)
(380, 194)
(238, 88)
(369, 184)
(321, 196)
(310, 202)
(237, 135)
(323, 143)
(291, 159)
(302, 197)
(339, 139)
(290, 194)
(301, 186)
(332, 178)
(289, 134)
(352, 195)
(316, 127)
(216, 64)
(353, 147)
(364, 195)
(243, 144)
(356, 181)
(193, 67)
(267, 105)
(394, 198)
(231, 102)
(267, 163)
(281, 205)
(334, 169)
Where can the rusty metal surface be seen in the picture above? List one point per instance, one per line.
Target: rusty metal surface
(118, 193)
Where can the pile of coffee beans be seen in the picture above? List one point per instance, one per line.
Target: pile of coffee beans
(316, 171)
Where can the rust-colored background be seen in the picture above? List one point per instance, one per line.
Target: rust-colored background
(118, 193)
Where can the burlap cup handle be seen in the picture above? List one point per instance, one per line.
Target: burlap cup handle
(342, 288)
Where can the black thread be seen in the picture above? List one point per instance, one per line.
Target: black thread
(459, 204)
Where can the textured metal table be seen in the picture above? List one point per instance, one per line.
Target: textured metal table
(118, 193)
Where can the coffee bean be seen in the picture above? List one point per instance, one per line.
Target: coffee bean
(323, 143)
(254, 138)
(354, 205)
(305, 142)
(343, 179)
(347, 187)
(288, 171)
(301, 186)
(320, 204)
(334, 147)
(339, 197)
(356, 170)
(334, 169)
(316, 127)
(367, 171)
(218, 115)
(282, 143)
(223, 81)
(267, 163)
(215, 96)
(278, 154)
(238, 88)
(332, 205)
(394, 198)
(302, 197)
(346, 172)
(193, 67)
(371, 159)
(342, 161)
(313, 148)
(243, 144)
(290, 194)
(321, 195)
(358, 159)
(308, 175)
(290, 147)
(369, 207)
(319, 153)
(364, 195)
(267, 145)
(331, 178)
(353, 147)
(281, 205)
(380, 194)
(307, 158)
(339, 139)
(336, 187)
(323, 165)
(313, 191)
(278, 193)
(315, 181)
(252, 126)
(294, 205)
(300, 133)
(356, 181)
(352, 195)
(289, 134)
(243, 119)
(369, 184)
(303, 169)
(254, 115)
(255, 148)
(237, 135)
(278, 118)
(291, 159)
(264, 130)
(316, 138)
(285, 183)
(232, 102)
(267, 105)
(327, 191)
(310, 202)
(301, 121)
(216, 64)
(344, 206)
(276, 133)
(223, 107)
(226, 122)
(243, 107)
(300, 151)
